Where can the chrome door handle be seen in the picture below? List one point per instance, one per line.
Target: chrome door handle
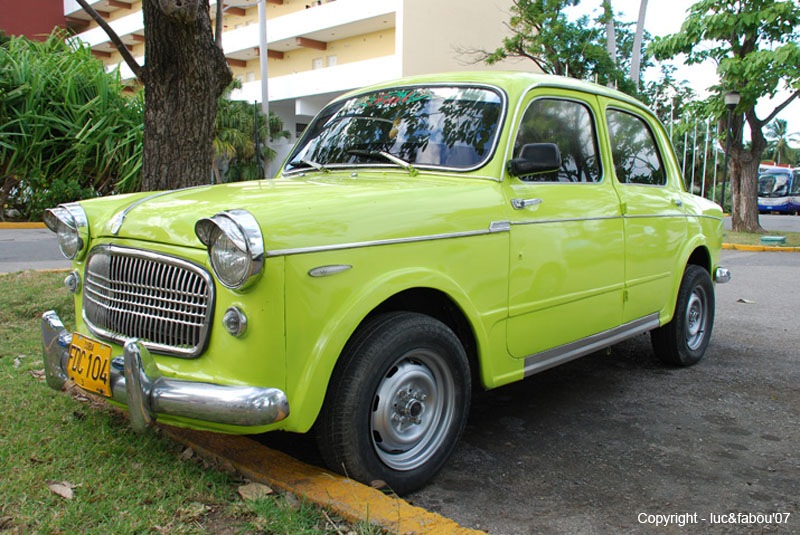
(519, 204)
(677, 202)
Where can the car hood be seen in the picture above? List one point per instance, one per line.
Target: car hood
(310, 211)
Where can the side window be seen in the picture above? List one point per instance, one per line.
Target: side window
(569, 125)
(634, 149)
(796, 183)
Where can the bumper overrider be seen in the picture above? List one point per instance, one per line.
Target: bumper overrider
(136, 382)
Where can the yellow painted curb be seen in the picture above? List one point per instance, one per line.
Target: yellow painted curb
(760, 248)
(349, 499)
(21, 225)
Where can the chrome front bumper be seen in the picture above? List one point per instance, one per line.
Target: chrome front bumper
(136, 382)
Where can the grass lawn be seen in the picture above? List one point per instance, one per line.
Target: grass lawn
(747, 238)
(56, 444)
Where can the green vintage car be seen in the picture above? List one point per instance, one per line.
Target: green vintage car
(423, 238)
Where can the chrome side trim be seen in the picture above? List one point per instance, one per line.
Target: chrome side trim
(136, 382)
(566, 220)
(493, 229)
(324, 271)
(539, 362)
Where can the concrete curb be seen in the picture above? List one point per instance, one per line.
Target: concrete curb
(760, 248)
(349, 499)
(21, 225)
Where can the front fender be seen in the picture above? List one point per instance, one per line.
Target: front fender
(322, 313)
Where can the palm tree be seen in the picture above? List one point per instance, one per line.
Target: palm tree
(776, 133)
(234, 143)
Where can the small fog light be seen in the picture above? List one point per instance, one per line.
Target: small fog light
(73, 282)
(235, 321)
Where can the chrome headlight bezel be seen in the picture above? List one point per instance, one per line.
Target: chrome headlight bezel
(242, 230)
(69, 219)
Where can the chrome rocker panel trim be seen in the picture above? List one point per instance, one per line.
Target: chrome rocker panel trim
(136, 382)
(539, 362)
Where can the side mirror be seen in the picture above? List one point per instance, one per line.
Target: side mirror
(536, 158)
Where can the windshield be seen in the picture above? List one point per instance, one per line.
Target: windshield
(773, 185)
(449, 126)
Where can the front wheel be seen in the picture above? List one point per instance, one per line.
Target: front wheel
(397, 402)
(683, 341)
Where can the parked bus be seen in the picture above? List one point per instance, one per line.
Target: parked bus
(778, 189)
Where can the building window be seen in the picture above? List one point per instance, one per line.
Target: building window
(331, 61)
(251, 76)
(317, 63)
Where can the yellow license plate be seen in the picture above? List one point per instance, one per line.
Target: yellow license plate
(89, 364)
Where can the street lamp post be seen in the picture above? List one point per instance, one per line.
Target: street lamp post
(732, 99)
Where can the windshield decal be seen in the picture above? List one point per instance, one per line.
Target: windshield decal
(392, 98)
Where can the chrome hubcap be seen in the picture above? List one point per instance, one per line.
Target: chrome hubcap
(412, 410)
(696, 319)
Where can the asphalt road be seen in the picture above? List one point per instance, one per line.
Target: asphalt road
(589, 446)
(777, 223)
(22, 249)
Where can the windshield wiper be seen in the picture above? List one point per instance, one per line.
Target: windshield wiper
(386, 156)
(309, 163)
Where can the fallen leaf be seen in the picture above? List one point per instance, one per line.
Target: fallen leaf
(62, 488)
(291, 501)
(16, 362)
(746, 301)
(227, 467)
(38, 374)
(378, 484)
(193, 510)
(254, 491)
(187, 454)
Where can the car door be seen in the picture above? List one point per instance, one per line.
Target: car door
(655, 221)
(567, 246)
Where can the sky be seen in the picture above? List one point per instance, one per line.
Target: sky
(666, 16)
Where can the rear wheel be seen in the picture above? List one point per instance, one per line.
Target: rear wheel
(683, 341)
(397, 402)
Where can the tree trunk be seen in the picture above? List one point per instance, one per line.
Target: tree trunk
(745, 194)
(184, 75)
(611, 35)
(636, 58)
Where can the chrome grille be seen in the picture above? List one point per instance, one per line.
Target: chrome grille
(164, 301)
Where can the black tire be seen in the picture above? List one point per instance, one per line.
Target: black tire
(397, 402)
(683, 341)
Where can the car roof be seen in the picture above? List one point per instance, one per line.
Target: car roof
(511, 81)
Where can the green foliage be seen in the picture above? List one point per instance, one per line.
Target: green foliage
(234, 138)
(66, 130)
(542, 33)
(778, 149)
(754, 43)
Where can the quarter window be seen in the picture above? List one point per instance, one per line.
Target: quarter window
(569, 125)
(634, 149)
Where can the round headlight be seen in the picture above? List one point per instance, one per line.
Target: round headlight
(68, 240)
(69, 223)
(235, 247)
(230, 262)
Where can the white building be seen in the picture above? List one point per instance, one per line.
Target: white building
(319, 49)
